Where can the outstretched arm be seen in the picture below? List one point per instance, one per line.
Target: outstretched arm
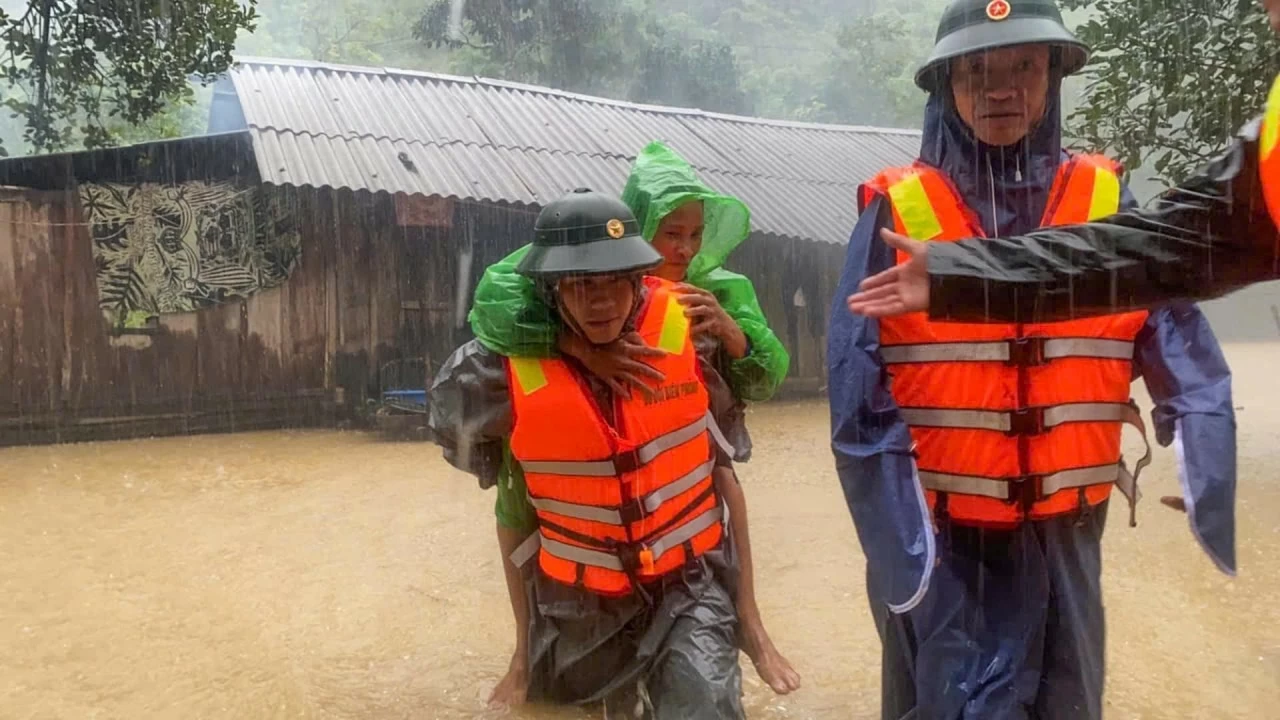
(1203, 239)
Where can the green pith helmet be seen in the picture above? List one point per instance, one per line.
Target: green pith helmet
(969, 26)
(586, 233)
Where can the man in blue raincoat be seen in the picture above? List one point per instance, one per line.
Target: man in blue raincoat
(1213, 234)
(977, 461)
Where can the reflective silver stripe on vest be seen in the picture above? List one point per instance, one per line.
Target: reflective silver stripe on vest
(998, 351)
(645, 453)
(946, 418)
(945, 352)
(611, 516)
(592, 468)
(719, 437)
(655, 447)
(527, 549)
(1055, 415)
(609, 561)
(1055, 348)
(998, 488)
(582, 555)
(1002, 421)
(653, 500)
(574, 510)
(686, 531)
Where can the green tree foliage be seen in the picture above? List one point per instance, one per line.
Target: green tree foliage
(1171, 82)
(868, 81)
(76, 68)
(607, 47)
(351, 32)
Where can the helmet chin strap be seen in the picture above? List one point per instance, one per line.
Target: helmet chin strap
(551, 292)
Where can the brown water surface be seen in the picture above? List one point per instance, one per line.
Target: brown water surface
(335, 575)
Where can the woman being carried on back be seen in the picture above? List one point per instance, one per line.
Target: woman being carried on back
(695, 229)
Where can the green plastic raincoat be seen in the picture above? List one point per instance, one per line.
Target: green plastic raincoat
(509, 318)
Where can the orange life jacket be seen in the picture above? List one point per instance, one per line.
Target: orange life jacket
(1010, 422)
(624, 503)
(1268, 158)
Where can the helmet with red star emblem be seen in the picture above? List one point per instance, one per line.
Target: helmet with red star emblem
(970, 26)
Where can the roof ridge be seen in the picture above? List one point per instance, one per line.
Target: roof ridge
(435, 143)
(700, 167)
(569, 95)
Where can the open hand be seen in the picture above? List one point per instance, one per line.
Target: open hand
(621, 363)
(901, 289)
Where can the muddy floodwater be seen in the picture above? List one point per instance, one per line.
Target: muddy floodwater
(336, 575)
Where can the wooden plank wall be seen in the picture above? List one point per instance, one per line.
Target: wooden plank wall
(63, 375)
(366, 292)
(778, 267)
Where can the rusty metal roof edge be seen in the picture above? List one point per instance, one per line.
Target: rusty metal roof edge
(591, 99)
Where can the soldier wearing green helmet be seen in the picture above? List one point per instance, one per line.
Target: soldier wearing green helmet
(979, 506)
(614, 524)
(1213, 234)
(694, 229)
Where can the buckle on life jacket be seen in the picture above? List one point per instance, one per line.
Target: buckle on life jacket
(631, 512)
(625, 462)
(1026, 421)
(1026, 491)
(1026, 352)
(629, 555)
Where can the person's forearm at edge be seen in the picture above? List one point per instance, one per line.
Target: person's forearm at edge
(1201, 240)
(509, 539)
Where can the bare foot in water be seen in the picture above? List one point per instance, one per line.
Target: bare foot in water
(514, 686)
(771, 666)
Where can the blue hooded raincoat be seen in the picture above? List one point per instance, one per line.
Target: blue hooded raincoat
(996, 624)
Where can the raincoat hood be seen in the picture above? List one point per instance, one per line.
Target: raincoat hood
(662, 181)
(1007, 187)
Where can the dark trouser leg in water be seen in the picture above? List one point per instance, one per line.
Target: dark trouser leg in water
(697, 675)
(1011, 628)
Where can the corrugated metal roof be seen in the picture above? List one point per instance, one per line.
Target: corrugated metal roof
(339, 126)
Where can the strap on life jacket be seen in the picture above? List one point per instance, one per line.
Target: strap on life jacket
(1033, 421)
(610, 561)
(927, 206)
(1018, 351)
(1035, 488)
(623, 515)
(641, 456)
(620, 516)
(1030, 351)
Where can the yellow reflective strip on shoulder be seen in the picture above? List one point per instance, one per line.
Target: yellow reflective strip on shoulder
(529, 374)
(1270, 122)
(912, 203)
(675, 326)
(1106, 194)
